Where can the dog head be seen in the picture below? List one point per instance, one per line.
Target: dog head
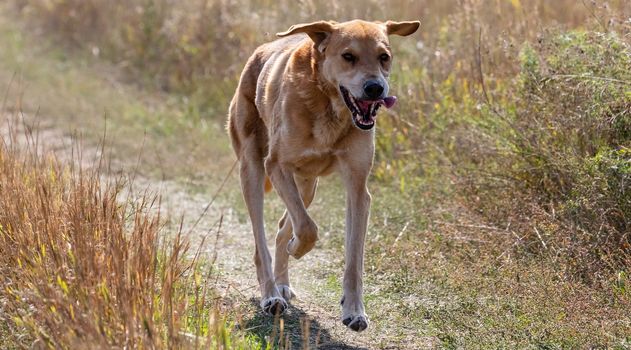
(355, 57)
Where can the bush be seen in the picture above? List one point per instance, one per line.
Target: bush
(559, 161)
(599, 205)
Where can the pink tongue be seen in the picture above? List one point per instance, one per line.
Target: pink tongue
(390, 101)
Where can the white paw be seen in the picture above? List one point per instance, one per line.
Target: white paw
(274, 305)
(286, 292)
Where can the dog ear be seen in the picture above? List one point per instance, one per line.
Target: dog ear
(402, 28)
(319, 32)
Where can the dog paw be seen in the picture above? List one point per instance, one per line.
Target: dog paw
(298, 248)
(357, 323)
(274, 306)
(286, 292)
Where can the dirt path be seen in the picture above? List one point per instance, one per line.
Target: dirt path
(438, 274)
(316, 303)
(77, 97)
(314, 313)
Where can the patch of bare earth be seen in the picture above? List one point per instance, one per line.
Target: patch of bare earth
(225, 237)
(315, 312)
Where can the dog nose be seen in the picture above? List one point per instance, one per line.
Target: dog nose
(373, 89)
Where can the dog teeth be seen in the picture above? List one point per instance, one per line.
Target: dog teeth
(356, 106)
(358, 116)
(373, 109)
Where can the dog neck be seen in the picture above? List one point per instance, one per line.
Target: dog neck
(328, 89)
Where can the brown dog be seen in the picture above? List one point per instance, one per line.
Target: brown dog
(306, 106)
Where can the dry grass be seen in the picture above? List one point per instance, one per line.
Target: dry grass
(546, 157)
(83, 265)
(199, 46)
(476, 103)
(505, 168)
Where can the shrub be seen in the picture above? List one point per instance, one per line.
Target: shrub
(559, 161)
(599, 206)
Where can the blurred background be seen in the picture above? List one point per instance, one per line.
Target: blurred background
(504, 173)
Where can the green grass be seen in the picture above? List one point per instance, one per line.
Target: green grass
(85, 265)
(82, 93)
(442, 262)
(75, 94)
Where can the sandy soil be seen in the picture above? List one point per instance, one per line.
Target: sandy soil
(315, 312)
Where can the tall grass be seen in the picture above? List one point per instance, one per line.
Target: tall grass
(83, 266)
(199, 46)
(524, 105)
(558, 154)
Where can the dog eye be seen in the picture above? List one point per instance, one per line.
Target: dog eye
(349, 57)
(384, 57)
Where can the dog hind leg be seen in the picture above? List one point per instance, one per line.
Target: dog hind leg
(252, 185)
(249, 139)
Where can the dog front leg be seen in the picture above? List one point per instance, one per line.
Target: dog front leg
(307, 188)
(357, 212)
(305, 230)
(354, 172)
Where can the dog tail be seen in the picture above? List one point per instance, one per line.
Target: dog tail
(268, 185)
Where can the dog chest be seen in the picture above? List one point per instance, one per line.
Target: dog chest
(310, 162)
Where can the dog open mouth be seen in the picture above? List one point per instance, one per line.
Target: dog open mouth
(365, 111)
